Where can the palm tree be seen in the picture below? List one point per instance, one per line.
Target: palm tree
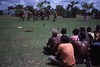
(30, 8)
(40, 5)
(87, 6)
(73, 3)
(10, 8)
(19, 8)
(96, 12)
(46, 2)
(72, 9)
(43, 4)
(60, 9)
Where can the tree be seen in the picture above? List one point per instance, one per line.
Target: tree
(46, 2)
(30, 8)
(96, 12)
(87, 6)
(60, 10)
(72, 9)
(10, 8)
(1, 12)
(43, 4)
(19, 8)
(73, 3)
(40, 5)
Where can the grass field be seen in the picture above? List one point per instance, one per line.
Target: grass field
(24, 49)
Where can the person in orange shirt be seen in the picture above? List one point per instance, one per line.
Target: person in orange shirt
(66, 53)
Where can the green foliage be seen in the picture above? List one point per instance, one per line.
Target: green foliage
(60, 10)
(87, 6)
(18, 10)
(73, 3)
(44, 4)
(30, 8)
(19, 7)
(10, 7)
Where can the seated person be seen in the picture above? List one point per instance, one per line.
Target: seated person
(63, 31)
(95, 48)
(82, 29)
(76, 33)
(52, 43)
(81, 47)
(65, 56)
(90, 35)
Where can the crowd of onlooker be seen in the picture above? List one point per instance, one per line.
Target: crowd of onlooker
(82, 47)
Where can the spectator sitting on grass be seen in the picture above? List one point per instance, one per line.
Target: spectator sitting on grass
(82, 29)
(95, 49)
(63, 32)
(76, 33)
(90, 35)
(65, 56)
(81, 48)
(52, 43)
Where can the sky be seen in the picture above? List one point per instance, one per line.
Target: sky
(5, 3)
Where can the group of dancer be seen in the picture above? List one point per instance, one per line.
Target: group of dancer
(37, 15)
(82, 47)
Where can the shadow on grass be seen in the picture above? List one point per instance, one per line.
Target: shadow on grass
(45, 53)
(52, 64)
(28, 30)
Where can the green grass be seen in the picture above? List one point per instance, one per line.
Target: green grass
(24, 49)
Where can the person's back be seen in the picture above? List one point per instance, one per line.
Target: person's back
(81, 46)
(81, 49)
(54, 42)
(67, 53)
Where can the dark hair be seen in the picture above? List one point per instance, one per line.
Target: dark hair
(63, 31)
(97, 27)
(88, 29)
(82, 36)
(75, 31)
(82, 29)
(65, 39)
(54, 34)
